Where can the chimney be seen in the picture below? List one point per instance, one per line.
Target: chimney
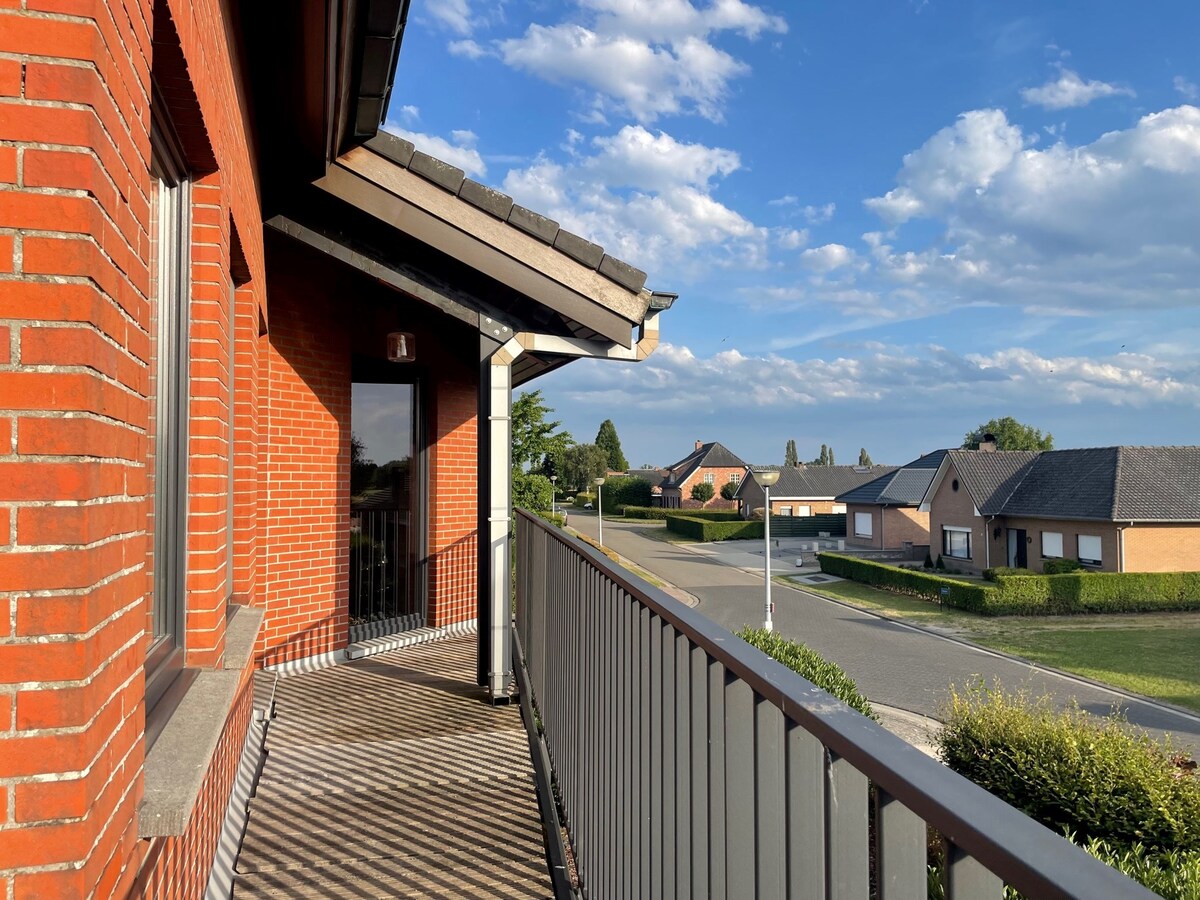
(699, 444)
(987, 444)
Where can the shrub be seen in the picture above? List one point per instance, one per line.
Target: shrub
(1097, 592)
(659, 513)
(990, 574)
(728, 489)
(1071, 771)
(702, 491)
(939, 564)
(625, 490)
(961, 594)
(1061, 566)
(809, 664)
(708, 529)
(555, 519)
(928, 560)
(583, 498)
(1171, 874)
(532, 492)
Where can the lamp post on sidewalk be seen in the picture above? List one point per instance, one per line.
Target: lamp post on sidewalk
(599, 482)
(765, 480)
(553, 493)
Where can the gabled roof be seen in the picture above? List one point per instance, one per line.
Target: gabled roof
(820, 482)
(712, 455)
(992, 477)
(902, 487)
(1158, 483)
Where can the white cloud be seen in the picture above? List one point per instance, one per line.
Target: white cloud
(1187, 89)
(827, 258)
(646, 197)
(1069, 90)
(818, 215)
(410, 114)
(461, 152)
(792, 238)
(454, 15)
(466, 48)
(785, 200)
(644, 59)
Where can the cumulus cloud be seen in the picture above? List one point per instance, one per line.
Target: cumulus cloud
(792, 238)
(644, 59)
(828, 257)
(1069, 90)
(1187, 89)
(646, 197)
(454, 15)
(466, 48)
(460, 151)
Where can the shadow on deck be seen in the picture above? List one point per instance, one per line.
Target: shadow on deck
(390, 777)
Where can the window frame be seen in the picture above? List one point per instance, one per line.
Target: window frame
(948, 549)
(870, 532)
(1098, 560)
(736, 478)
(1045, 553)
(710, 478)
(784, 511)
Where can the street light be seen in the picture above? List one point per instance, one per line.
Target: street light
(553, 492)
(765, 480)
(599, 482)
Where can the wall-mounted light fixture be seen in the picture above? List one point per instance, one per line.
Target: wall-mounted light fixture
(401, 347)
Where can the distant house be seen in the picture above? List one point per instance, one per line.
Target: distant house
(884, 513)
(1115, 509)
(712, 463)
(807, 490)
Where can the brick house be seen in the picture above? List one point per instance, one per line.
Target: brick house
(710, 463)
(1115, 509)
(805, 490)
(210, 260)
(885, 514)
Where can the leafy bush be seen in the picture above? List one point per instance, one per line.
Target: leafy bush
(1171, 874)
(1061, 566)
(973, 597)
(582, 499)
(659, 513)
(702, 491)
(532, 492)
(809, 664)
(1071, 771)
(990, 574)
(625, 490)
(728, 489)
(555, 519)
(709, 529)
(1097, 592)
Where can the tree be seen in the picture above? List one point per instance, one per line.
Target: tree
(531, 491)
(790, 458)
(728, 489)
(582, 465)
(864, 458)
(702, 491)
(1010, 435)
(607, 440)
(533, 438)
(826, 457)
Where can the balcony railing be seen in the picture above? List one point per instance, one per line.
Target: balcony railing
(688, 763)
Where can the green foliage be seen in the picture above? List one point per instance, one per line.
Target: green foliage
(660, 513)
(864, 458)
(702, 491)
(555, 519)
(940, 565)
(1097, 592)
(728, 489)
(1073, 772)
(625, 491)
(1010, 435)
(533, 438)
(825, 458)
(810, 665)
(790, 457)
(709, 529)
(961, 594)
(1061, 566)
(582, 499)
(1172, 874)
(582, 465)
(607, 440)
(532, 492)
(928, 560)
(990, 574)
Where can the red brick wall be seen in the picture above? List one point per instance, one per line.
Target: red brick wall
(74, 281)
(453, 477)
(1161, 548)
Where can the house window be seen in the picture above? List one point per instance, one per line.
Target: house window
(1090, 553)
(1052, 545)
(736, 478)
(804, 510)
(785, 510)
(709, 478)
(170, 292)
(839, 508)
(956, 542)
(862, 524)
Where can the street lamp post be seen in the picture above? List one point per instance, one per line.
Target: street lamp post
(765, 480)
(553, 494)
(599, 482)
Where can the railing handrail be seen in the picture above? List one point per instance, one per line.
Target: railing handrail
(1020, 850)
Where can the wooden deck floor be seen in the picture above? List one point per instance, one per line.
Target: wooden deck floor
(390, 777)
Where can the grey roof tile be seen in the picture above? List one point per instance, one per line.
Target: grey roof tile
(440, 173)
(488, 199)
(397, 149)
(991, 478)
(712, 454)
(824, 481)
(532, 223)
(622, 273)
(1158, 483)
(902, 487)
(580, 250)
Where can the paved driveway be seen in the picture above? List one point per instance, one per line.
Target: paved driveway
(893, 664)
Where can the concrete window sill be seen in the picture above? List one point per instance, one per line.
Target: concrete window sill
(179, 760)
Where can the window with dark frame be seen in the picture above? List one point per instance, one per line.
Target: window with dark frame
(956, 542)
(1052, 545)
(170, 292)
(1091, 550)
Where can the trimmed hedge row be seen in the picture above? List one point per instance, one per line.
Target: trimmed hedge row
(705, 529)
(1097, 592)
(581, 498)
(973, 597)
(661, 513)
(809, 664)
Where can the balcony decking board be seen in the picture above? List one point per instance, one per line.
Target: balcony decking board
(389, 777)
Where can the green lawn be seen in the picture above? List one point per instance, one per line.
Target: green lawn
(1154, 654)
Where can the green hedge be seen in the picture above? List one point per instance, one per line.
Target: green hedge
(581, 498)
(625, 490)
(1073, 772)
(661, 513)
(973, 597)
(706, 529)
(1097, 592)
(809, 664)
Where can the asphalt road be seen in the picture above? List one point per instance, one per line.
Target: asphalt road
(893, 664)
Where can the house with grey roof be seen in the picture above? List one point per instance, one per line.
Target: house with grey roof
(807, 490)
(710, 462)
(1115, 509)
(884, 513)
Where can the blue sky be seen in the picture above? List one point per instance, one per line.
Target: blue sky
(887, 221)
